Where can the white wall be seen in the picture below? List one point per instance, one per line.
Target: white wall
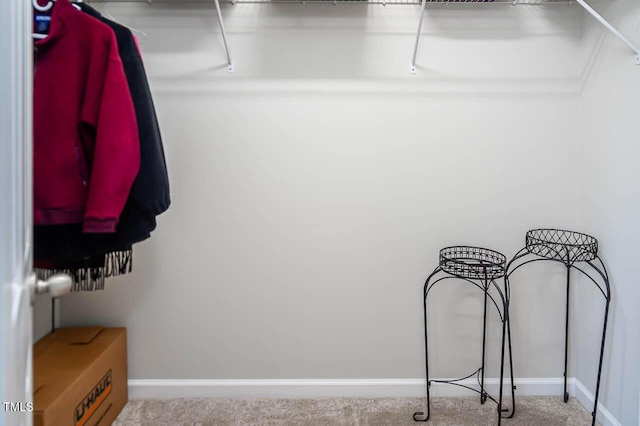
(313, 188)
(610, 206)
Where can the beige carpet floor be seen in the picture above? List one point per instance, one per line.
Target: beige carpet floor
(530, 411)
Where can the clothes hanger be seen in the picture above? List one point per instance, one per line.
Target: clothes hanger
(41, 9)
(49, 5)
(46, 8)
(107, 15)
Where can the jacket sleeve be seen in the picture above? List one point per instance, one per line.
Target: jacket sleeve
(114, 153)
(150, 191)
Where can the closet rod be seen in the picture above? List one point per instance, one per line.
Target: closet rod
(611, 28)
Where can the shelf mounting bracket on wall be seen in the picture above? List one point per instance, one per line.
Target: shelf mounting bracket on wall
(224, 37)
(415, 48)
(611, 28)
(582, 3)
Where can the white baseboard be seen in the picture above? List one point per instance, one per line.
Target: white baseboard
(155, 389)
(586, 398)
(298, 388)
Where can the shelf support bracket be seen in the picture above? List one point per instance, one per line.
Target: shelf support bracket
(610, 28)
(224, 37)
(415, 48)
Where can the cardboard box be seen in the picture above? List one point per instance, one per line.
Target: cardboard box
(80, 376)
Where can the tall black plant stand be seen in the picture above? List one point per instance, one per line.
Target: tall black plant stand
(482, 268)
(568, 248)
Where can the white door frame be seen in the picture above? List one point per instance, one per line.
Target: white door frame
(16, 341)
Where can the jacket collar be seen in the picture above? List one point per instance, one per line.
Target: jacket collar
(62, 17)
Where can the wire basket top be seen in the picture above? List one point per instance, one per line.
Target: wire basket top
(558, 244)
(472, 262)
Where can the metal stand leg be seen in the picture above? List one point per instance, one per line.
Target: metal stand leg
(500, 410)
(604, 335)
(483, 395)
(506, 326)
(513, 385)
(507, 322)
(566, 339)
(420, 416)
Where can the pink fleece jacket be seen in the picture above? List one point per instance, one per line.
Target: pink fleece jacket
(86, 146)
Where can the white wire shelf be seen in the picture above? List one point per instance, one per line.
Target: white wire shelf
(413, 2)
(423, 4)
(404, 2)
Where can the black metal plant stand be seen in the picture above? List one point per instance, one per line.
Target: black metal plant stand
(568, 248)
(480, 267)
